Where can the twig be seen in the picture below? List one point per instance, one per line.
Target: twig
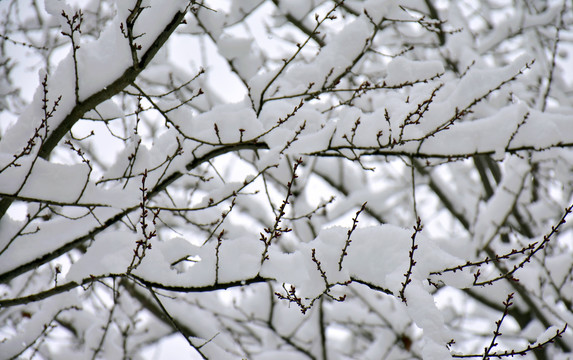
(417, 228)
(348, 235)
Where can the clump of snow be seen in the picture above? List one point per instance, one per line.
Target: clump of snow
(46, 174)
(233, 47)
(380, 9)
(234, 123)
(30, 330)
(515, 23)
(110, 253)
(297, 8)
(371, 258)
(500, 205)
(548, 334)
(402, 70)
(241, 53)
(239, 258)
(332, 60)
(55, 7)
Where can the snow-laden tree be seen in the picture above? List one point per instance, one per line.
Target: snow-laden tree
(269, 179)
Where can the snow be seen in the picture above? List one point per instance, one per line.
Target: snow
(109, 254)
(94, 72)
(515, 23)
(106, 110)
(235, 122)
(559, 267)
(55, 8)
(239, 7)
(280, 355)
(241, 53)
(156, 266)
(220, 192)
(402, 70)
(425, 314)
(99, 207)
(297, 8)
(213, 22)
(315, 141)
(29, 330)
(336, 56)
(548, 334)
(370, 258)
(239, 259)
(302, 274)
(99, 67)
(380, 9)
(43, 174)
(502, 202)
(233, 47)
(68, 184)
(34, 245)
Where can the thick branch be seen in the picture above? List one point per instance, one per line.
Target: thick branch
(72, 285)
